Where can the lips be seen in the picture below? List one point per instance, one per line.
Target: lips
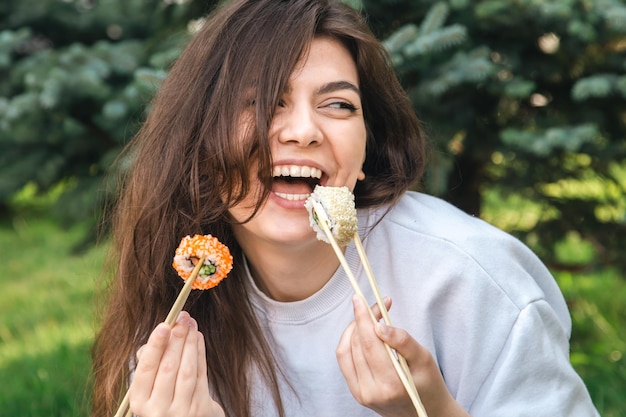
(295, 182)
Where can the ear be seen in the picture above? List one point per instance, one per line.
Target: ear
(361, 176)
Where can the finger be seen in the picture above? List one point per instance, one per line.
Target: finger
(139, 351)
(370, 351)
(362, 320)
(163, 390)
(424, 369)
(367, 348)
(376, 309)
(186, 377)
(148, 366)
(201, 393)
(403, 343)
(344, 356)
(202, 364)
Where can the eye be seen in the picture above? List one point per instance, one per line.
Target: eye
(343, 105)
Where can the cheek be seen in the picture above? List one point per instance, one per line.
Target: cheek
(240, 212)
(358, 148)
(353, 155)
(244, 209)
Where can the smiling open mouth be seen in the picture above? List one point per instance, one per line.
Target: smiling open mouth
(295, 182)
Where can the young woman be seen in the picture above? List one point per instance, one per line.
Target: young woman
(269, 99)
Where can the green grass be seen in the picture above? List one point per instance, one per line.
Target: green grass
(47, 298)
(598, 307)
(46, 318)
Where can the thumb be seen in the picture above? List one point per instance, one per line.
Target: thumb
(401, 341)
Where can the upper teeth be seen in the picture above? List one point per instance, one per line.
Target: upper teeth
(297, 171)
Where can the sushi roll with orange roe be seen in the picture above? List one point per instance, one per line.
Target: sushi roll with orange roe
(217, 260)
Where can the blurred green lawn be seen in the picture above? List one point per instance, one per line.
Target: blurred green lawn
(47, 299)
(46, 319)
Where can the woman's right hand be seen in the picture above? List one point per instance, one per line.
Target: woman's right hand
(371, 377)
(171, 374)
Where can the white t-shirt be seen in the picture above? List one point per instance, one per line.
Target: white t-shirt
(482, 303)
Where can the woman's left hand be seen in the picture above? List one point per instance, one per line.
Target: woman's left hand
(372, 378)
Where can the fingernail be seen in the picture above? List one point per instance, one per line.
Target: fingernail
(162, 330)
(182, 317)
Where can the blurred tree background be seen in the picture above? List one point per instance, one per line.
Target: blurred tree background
(525, 98)
(76, 77)
(524, 101)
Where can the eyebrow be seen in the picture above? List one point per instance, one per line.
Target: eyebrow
(338, 85)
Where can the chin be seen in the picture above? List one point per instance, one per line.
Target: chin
(289, 234)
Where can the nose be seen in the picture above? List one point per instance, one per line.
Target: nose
(298, 126)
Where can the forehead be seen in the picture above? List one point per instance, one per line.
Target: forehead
(326, 58)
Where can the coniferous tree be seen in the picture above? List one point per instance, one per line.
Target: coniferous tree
(75, 79)
(523, 97)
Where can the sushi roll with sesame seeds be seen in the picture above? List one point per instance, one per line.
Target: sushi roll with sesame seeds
(217, 260)
(338, 205)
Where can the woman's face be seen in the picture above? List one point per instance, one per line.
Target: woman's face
(317, 137)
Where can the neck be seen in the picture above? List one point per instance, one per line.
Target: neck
(287, 272)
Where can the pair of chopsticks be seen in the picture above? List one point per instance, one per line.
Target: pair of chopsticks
(124, 410)
(398, 361)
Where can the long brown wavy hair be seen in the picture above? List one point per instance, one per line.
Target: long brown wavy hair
(187, 169)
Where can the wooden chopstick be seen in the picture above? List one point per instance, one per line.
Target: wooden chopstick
(385, 314)
(403, 373)
(177, 307)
